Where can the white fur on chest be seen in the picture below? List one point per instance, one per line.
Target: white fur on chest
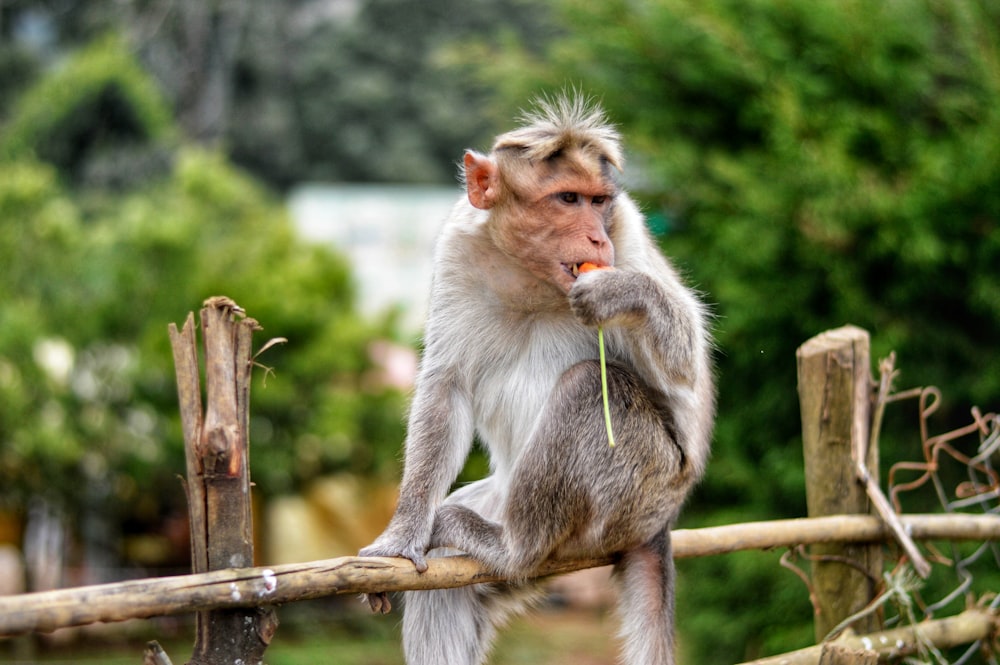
(507, 335)
(511, 382)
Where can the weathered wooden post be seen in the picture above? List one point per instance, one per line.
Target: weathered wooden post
(835, 389)
(218, 476)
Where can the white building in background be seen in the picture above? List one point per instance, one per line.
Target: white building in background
(387, 233)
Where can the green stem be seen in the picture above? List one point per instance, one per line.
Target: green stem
(604, 387)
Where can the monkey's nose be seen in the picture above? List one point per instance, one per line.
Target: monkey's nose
(600, 241)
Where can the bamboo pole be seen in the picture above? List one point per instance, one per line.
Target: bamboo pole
(249, 587)
(964, 628)
(835, 390)
(835, 654)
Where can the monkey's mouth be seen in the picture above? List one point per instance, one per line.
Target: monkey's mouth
(575, 269)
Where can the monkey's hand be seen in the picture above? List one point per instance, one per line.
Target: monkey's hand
(387, 545)
(603, 297)
(405, 549)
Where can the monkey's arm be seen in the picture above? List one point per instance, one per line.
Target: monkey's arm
(660, 331)
(662, 322)
(438, 440)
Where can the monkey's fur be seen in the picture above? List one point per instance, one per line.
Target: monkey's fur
(511, 358)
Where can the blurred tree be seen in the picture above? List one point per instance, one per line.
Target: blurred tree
(349, 90)
(812, 163)
(98, 118)
(358, 91)
(191, 45)
(93, 275)
(17, 68)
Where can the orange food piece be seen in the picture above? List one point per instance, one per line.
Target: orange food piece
(587, 266)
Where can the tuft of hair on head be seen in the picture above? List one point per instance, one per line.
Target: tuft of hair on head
(555, 124)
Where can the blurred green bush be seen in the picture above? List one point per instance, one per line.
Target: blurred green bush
(95, 268)
(97, 105)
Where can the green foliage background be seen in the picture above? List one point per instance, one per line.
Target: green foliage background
(99, 271)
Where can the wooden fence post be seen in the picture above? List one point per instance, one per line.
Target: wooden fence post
(835, 389)
(218, 476)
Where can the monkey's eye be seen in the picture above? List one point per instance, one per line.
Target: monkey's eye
(599, 200)
(568, 197)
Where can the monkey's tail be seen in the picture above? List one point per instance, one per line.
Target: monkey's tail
(646, 602)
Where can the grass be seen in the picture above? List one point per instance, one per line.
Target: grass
(320, 635)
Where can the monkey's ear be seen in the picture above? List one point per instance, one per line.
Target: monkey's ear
(481, 180)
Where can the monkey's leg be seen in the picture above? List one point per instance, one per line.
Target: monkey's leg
(511, 550)
(603, 500)
(466, 522)
(570, 493)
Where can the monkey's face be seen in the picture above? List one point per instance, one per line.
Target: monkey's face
(565, 225)
(555, 216)
(570, 227)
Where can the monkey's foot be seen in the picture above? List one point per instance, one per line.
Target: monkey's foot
(378, 602)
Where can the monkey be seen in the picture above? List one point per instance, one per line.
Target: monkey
(510, 359)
